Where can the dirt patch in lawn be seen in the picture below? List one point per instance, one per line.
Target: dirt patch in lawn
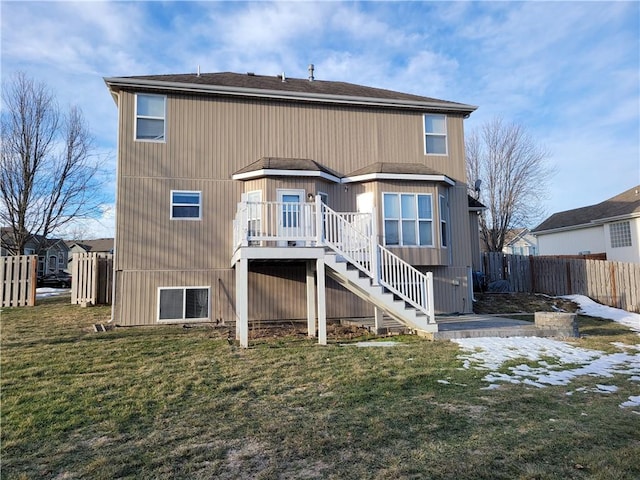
(499, 303)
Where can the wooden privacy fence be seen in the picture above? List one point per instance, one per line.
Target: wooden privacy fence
(19, 281)
(92, 279)
(616, 284)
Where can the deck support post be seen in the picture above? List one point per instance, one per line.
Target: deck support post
(311, 300)
(377, 320)
(242, 302)
(322, 304)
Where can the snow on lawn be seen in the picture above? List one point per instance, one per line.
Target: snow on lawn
(553, 357)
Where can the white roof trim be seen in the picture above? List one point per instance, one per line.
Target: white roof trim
(398, 176)
(286, 95)
(270, 172)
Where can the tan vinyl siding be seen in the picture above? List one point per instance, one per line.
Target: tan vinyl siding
(209, 139)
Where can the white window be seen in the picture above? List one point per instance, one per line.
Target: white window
(408, 219)
(444, 221)
(435, 134)
(150, 117)
(186, 205)
(254, 213)
(183, 303)
(620, 234)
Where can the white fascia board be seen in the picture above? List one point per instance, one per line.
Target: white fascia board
(616, 218)
(269, 172)
(284, 95)
(563, 229)
(398, 176)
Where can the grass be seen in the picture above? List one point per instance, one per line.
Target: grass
(170, 402)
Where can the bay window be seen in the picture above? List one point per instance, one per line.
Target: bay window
(408, 219)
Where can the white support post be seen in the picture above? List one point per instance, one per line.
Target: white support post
(377, 318)
(322, 305)
(319, 222)
(430, 309)
(242, 302)
(375, 253)
(311, 300)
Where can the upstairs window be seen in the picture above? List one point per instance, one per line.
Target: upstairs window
(150, 117)
(408, 219)
(435, 134)
(186, 205)
(620, 234)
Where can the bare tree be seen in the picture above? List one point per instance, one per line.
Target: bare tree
(514, 175)
(47, 172)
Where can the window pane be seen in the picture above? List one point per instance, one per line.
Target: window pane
(435, 124)
(424, 206)
(391, 234)
(443, 233)
(436, 144)
(186, 212)
(391, 206)
(408, 206)
(408, 232)
(197, 303)
(186, 197)
(171, 302)
(150, 129)
(426, 236)
(151, 106)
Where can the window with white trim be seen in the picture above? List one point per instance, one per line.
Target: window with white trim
(435, 134)
(408, 219)
(183, 303)
(150, 117)
(186, 205)
(444, 221)
(620, 234)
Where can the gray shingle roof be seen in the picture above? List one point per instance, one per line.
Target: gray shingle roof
(248, 83)
(278, 163)
(625, 204)
(398, 168)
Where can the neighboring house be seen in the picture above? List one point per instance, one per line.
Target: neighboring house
(520, 241)
(100, 245)
(611, 228)
(53, 253)
(232, 191)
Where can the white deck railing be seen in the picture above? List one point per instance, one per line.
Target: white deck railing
(351, 235)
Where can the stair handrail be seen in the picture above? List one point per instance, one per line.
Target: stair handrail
(383, 266)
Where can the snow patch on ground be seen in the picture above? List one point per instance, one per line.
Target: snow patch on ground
(557, 363)
(45, 292)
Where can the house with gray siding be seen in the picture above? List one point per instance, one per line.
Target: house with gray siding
(246, 198)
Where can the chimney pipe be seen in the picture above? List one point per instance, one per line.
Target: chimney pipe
(311, 68)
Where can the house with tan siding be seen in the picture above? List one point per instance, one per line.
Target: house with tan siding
(247, 198)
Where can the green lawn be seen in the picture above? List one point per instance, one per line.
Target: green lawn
(173, 402)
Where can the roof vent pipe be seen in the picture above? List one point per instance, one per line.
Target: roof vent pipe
(198, 70)
(284, 78)
(311, 68)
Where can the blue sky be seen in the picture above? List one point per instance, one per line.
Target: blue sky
(569, 72)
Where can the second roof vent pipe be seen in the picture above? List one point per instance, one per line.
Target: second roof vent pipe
(311, 68)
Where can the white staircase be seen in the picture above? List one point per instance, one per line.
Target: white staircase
(358, 263)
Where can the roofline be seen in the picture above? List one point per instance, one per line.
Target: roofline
(272, 172)
(592, 223)
(113, 82)
(398, 176)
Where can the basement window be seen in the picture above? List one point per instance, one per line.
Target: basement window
(183, 303)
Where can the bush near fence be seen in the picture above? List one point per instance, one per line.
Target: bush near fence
(616, 284)
(18, 275)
